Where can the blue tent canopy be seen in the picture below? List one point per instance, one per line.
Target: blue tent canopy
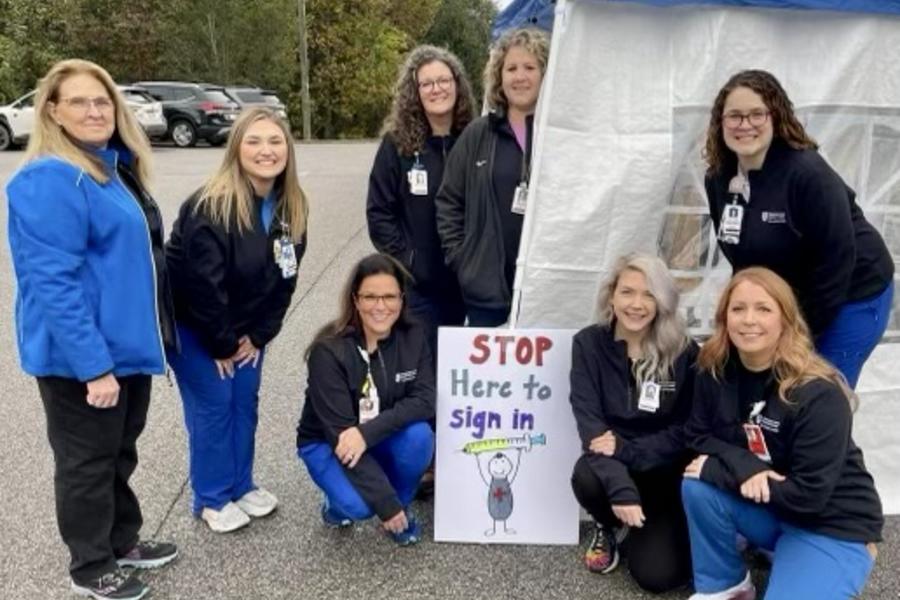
(539, 13)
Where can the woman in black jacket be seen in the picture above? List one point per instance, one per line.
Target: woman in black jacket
(432, 105)
(776, 203)
(772, 424)
(363, 434)
(233, 256)
(631, 390)
(481, 203)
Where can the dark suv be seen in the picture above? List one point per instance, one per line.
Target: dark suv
(194, 111)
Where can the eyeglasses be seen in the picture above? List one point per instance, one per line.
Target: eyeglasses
(82, 104)
(756, 118)
(371, 300)
(443, 83)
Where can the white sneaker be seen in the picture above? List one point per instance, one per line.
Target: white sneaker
(745, 590)
(230, 518)
(257, 503)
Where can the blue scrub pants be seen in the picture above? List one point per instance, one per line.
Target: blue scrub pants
(403, 457)
(806, 565)
(855, 332)
(220, 416)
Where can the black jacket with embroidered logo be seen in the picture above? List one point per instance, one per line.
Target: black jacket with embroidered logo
(227, 284)
(803, 222)
(404, 376)
(828, 489)
(604, 397)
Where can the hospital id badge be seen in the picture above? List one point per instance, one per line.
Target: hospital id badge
(649, 400)
(418, 182)
(756, 442)
(369, 405)
(520, 197)
(730, 227)
(285, 257)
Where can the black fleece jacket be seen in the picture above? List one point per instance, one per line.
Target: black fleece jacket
(404, 376)
(227, 284)
(604, 397)
(803, 223)
(827, 489)
(401, 223)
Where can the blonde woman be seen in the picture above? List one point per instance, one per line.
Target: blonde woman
(772, 424)
(93, 314)
(632, 384)
(233, 255)
(481, 203)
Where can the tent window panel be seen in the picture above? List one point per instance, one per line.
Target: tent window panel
(684, 242)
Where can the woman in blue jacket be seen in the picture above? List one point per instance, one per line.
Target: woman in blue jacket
(632, 382)
(93, 314)
(233, 255)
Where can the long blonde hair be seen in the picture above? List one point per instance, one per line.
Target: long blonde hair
(48, 138)
(533, 40)
(227, 197)
(795, 361)
(667, 337)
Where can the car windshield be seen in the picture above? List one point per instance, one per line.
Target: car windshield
(218, 96)
(137, 97)
(250, 96)
(272, 99)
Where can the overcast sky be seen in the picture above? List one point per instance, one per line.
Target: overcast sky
(501, 4)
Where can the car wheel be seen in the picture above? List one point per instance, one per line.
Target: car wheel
(5, 137)
(183, 134)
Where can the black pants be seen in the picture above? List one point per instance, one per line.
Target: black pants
(659, 554)
(95, 451)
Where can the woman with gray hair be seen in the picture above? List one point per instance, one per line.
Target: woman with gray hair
(481, 204)
(431, 107)
(632, 384)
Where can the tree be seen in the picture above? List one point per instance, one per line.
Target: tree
(464, 27)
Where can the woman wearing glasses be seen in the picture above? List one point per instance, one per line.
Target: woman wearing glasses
(775, 202)
(234, 254)
(481, 203)
(363, 434)
(93, 314)
(432, 105)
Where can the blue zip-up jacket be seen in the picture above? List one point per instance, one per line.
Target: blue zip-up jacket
(86, 303)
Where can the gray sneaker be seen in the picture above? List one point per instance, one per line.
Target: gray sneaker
(149, 554)
(115, 585)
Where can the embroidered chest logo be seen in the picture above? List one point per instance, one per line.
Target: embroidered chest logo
(406, 376)
(773, 217)
(768, 424)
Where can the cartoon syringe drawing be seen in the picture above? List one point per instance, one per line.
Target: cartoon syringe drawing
(522, 442)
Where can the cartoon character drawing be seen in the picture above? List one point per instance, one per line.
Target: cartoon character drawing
(501, 473)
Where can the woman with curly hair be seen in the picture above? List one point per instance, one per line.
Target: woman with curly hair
(432, 105)
(772, 424)
(481, 204)
(776, 203)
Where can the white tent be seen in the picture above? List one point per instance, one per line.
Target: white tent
(617, 163)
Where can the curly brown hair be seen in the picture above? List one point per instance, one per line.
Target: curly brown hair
(407, 124)
(784, 122)
(533, 40)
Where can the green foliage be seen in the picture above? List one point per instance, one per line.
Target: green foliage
(355, 46)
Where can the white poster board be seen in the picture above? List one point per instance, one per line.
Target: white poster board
(506, 437)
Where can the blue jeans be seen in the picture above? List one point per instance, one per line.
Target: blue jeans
(220, 416)
(855, 332)
(403, 456)
(806, 565)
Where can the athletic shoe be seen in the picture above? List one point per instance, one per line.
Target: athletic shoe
(331, 520)
(602, 555)
(115, 585)
(745, 590)
(149, 554)
(257, 503)
(409, 536)
(230, 518)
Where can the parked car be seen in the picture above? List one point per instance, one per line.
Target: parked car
(16, 122)
(194, 111)
(147, 109)
(246, 95)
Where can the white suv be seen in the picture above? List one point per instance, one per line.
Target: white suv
(16, 121)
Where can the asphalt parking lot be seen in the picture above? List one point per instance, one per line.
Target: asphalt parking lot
(289, 555)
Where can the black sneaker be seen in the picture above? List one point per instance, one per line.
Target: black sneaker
(148, 554)
(115, 585)
(602, 555)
